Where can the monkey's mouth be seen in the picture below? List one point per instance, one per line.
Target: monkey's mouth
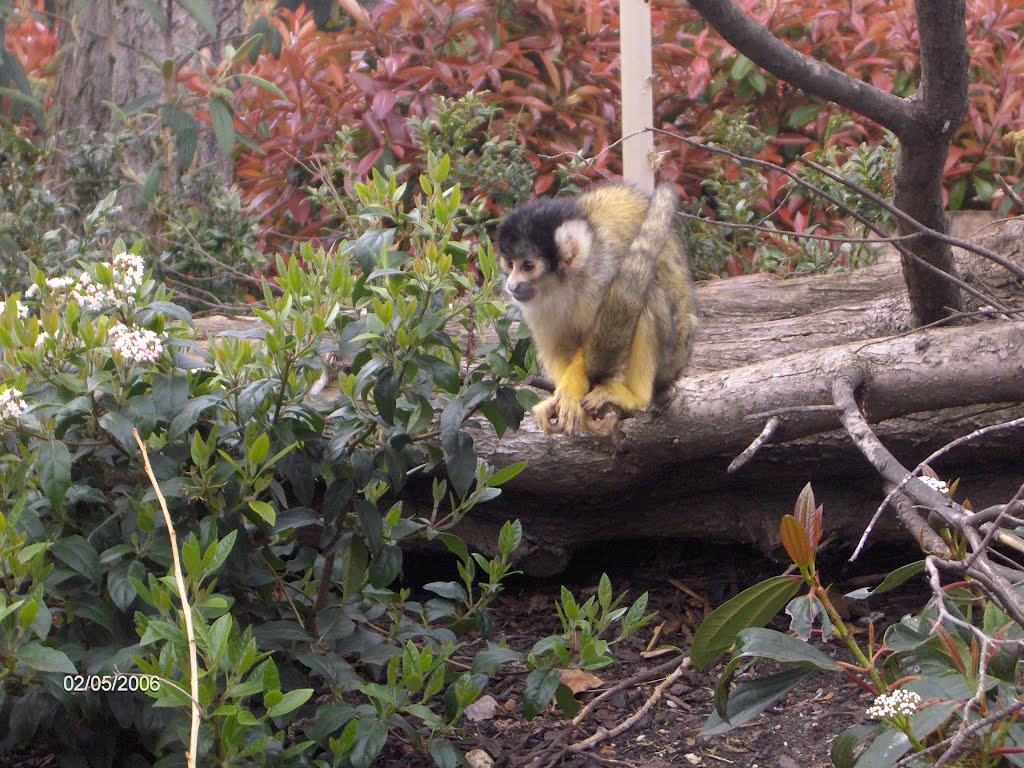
(522, 292)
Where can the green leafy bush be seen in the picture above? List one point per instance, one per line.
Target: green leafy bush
(956, 663)
(285, 505)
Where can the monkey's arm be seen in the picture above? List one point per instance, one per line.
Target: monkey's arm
(563, 411)
(633, 388)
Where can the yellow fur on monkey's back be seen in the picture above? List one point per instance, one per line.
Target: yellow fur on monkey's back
(616, 212)
(662, 302)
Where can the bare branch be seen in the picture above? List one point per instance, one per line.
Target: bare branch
(768, 52)
(766, 434)
(989, 254)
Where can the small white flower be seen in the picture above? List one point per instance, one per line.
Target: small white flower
(938, 485)
(22, 309)
(11, 404)
(139, 344)
(57, 284)
(128, 270)
(42, 338)
(900, 702)
(32, 291)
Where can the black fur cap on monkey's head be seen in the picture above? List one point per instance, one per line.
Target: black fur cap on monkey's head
(528, 232)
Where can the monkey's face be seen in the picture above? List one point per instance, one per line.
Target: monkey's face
(532, 248)
(524, 277)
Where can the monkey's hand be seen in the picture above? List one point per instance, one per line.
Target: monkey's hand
(561, 413)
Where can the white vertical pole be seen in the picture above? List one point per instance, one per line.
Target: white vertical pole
(637, 95)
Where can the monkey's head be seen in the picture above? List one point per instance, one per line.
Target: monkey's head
(540, 243)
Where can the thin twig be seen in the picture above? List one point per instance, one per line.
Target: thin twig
(872, 226)
(910, 221)
(1010, 192)
(770, 428)
(186, 609)
(640, 677)
(629, 722)
(927, 461)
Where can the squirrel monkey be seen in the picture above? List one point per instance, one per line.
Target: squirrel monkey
(604, 285)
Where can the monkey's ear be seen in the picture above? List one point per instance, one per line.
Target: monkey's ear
(574, 240)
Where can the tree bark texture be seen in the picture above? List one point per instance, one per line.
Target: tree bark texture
(115, 52)
(924, 124)
(773, 347)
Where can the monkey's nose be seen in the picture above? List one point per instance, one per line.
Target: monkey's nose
(521, 291)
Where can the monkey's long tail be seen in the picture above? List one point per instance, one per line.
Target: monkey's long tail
(619, 315)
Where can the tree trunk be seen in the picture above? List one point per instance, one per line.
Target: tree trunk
(115, 55)
(925, 125)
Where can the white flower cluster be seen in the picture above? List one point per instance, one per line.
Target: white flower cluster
(889, 705)
(128, 273)
(22, 309)
(11, 404)
(938, 485)
(57, 285)
(139, 344)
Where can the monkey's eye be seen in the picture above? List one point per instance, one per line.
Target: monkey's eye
(508, 263)
(527, 266)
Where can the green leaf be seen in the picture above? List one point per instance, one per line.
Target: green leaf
(455, 545)
(445, 374)
(540, 688)
(224, 547)
(200, 11)
(768, 644)
(220, 634)
(265, 511)
(81, 556)
(741, 66)
(385, 394)
(385, 566)
(371, 734)
(803, 115)
(150, 185)
(487, 662)
(43, 659)
(444, 754)
(891, 581)
(119, 582)
(566, 702)
(258, 450)
(750, 699)
(264, 84)
(354, 574)
(372, 523)
(289, 701)
(53, 467)
(507, 473)
(449, 589)
(510, 537)
(223, 125)
(753, 607)
(848, 744)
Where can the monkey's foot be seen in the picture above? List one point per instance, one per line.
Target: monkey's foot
(561, 414)
(612, 395)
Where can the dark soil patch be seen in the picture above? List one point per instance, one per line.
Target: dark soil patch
(796, 733)
(683, 583)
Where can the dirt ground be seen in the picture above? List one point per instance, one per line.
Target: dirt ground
(683, 584)
(796, 733)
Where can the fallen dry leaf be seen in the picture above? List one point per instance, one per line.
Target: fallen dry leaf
(482, 709)
(577, 681)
